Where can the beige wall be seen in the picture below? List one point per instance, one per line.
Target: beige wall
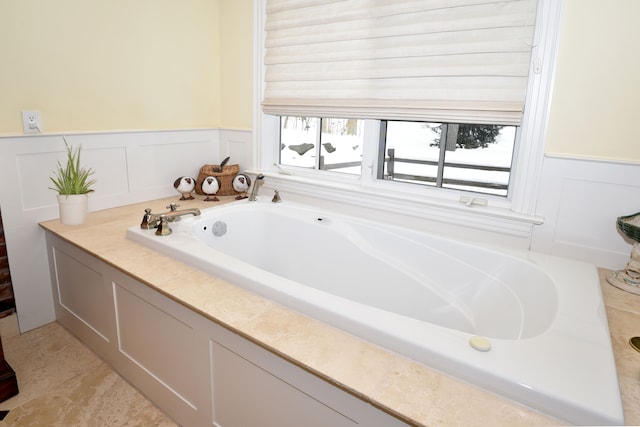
(236, 64)
(110, 65)
(595, 104)
(161, 64)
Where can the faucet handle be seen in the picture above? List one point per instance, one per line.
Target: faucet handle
(163, 226)
(173, 207)
(146, 219)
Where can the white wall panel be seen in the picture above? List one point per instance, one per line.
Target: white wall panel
(34, 170)
(239, 146)
(129, 167)
(580, 200)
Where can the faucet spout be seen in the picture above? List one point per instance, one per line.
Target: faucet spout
(150, 220)
(175, 215)
(163, 228)
(256, 185)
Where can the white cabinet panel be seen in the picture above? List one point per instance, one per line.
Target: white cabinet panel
(159, 351)
(83, 301)
(246, 395)
(82, 292)
(254, 387)
(157, 342)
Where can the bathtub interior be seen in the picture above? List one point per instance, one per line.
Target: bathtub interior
(420, 276)
(422, 296)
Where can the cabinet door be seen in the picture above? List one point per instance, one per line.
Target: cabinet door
(160, 353)
(83, 299)
(254, 387)
(246, 395)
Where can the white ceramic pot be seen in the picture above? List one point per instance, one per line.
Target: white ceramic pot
(73, 208)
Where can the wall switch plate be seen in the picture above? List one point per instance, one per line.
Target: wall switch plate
(31, 122)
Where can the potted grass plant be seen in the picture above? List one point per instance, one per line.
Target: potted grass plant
(73, 183)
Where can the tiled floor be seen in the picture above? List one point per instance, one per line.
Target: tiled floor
(62, 383)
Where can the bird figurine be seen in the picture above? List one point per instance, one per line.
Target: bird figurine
(210, 186)
(185, 186)
(241, 184)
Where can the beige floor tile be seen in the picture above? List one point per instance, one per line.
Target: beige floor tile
(62, 383)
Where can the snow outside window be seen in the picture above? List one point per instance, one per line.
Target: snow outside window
(464, 157)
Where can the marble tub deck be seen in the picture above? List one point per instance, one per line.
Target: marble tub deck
(411, 391)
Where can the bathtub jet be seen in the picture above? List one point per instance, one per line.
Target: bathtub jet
(528, 326)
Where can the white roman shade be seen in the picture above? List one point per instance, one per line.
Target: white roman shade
(460, 61)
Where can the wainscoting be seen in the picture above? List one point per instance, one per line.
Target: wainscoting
(130, 167)
(580, 200)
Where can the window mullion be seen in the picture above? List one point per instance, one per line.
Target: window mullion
(382, 148)
(443, 149)
(319, 162)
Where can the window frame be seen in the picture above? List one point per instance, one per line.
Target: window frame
(450, 205)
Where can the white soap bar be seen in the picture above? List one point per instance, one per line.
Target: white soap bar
(480, 343)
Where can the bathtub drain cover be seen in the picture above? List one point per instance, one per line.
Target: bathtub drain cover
(480, 343)
(219, 228)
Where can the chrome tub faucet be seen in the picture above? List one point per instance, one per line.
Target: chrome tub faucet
(256, 185)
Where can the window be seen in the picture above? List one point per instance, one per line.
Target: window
(339, 142)
(456, 156)
(330, 74)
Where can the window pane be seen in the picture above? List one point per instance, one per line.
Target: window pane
(478, 158)
(341, 143)
(466, 157)
(298, 141)
(412, 152)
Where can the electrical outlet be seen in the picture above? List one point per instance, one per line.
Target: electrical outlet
(31, 122)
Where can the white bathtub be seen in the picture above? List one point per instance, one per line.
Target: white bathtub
(422, 296)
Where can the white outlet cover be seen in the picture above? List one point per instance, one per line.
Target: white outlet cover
(31, 122)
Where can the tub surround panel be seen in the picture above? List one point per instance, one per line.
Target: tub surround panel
(238, 145)
(83, 295)
(159, 351)
(155, 163)
(34, 170)
(136, 314)
(275, 383)
(580, 201)
(240, 385)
